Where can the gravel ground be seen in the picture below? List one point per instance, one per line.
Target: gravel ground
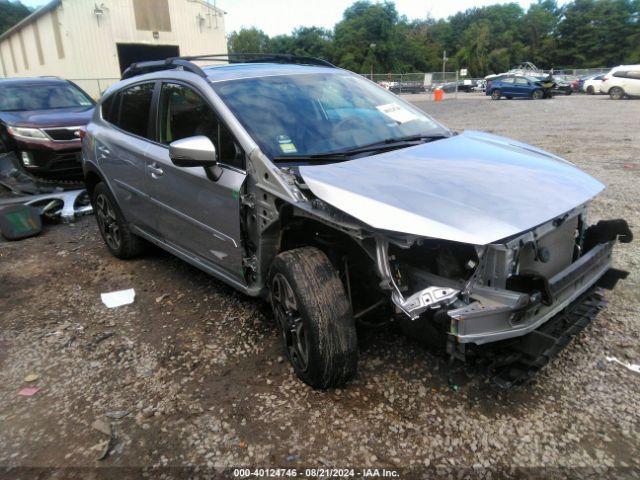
(197, 372)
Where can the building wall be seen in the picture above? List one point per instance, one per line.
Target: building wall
(84, 47)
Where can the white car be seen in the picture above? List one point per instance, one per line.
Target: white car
(622, 81)
(592, 84)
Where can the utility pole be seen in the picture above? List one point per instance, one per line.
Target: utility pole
(444, 63)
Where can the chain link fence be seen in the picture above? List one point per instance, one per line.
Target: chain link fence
(427, 82)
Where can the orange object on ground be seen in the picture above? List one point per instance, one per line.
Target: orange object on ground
(438, 94)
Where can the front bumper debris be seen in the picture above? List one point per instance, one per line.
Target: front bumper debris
(486, 321)
(67, 205)
(519, 360)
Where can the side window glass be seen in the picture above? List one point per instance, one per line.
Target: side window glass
(110, 108)
(522, 81)
(635, 74)
(507, 80)
(184, 113)
(135, 109)
(620, 74)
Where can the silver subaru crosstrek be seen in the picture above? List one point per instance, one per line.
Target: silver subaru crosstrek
(339, 202)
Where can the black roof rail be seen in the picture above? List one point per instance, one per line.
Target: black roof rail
(141, 68)
(261, 58)
(186, 63)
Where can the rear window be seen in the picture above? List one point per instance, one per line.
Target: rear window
(134, 109)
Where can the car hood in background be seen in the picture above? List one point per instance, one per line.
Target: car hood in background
(473, 188)
(59, 117)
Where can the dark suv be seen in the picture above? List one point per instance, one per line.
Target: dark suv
(40, 121)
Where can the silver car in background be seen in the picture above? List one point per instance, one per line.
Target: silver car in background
(310, 186)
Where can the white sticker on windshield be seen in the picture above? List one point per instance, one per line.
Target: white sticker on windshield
(397, 112)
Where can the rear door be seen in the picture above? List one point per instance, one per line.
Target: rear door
(121, 148)
(506, 86)
(194, 213)
(632, 82)
(522, 87)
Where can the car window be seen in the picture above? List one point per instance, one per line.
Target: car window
(507, 80)
(15, 98)
(110, 108)
(319, 113)
(620, 74)
(522, 81)
(135, 106)
(184, 113)
(634, 74)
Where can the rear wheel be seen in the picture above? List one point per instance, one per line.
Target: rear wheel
(537, 95)
(591, 90)
(115, 231)
(616, 93)
(314, 317)
(496, 94)
(509, 98)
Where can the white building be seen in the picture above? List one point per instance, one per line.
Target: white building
(92, 42)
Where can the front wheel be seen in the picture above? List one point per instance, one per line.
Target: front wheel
(537, 95)
(496, 94)
(616, 93)
(314, 317)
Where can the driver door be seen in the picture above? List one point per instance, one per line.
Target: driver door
(197, 215)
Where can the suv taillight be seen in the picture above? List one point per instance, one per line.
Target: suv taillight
(605, 79)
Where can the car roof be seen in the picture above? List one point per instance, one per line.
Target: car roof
(237, 71)
(5, 82)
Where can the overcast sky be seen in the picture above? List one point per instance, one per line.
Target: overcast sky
(281, 16)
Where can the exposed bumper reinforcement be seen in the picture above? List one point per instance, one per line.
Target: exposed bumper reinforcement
(522, 359)
(481, 324)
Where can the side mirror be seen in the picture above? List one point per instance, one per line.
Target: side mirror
(195, 151)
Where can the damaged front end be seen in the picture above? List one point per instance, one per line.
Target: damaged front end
(504, 290)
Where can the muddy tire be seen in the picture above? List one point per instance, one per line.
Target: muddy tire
(496, 94)
(616, 93)
(314, 317)
(115, 231)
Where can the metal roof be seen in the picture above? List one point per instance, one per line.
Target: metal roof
(52, 5)
(235, 71)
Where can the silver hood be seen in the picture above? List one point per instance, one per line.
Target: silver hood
(473, 188)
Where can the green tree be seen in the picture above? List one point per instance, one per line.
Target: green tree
(364, 38)
(11, 12)
(248, 40)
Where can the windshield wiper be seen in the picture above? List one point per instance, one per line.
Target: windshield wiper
(381, 146)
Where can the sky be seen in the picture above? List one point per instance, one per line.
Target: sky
(277, 17)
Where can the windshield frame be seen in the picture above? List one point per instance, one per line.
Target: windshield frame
(434, 129)
(36, 85)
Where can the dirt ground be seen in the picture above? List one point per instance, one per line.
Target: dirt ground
(192, 378)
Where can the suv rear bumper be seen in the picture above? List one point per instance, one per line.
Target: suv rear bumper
(491, 323)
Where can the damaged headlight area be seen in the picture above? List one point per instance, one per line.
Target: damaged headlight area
(478, 295)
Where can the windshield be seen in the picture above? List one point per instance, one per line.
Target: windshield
(41, 97)
(314, 114)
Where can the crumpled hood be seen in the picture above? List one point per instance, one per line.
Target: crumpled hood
(62, 117)
(473, 188)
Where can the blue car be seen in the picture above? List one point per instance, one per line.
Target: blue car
(517, 86)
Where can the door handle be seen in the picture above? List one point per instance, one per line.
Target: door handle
(155, 171)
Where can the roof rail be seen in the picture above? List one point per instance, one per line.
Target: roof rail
(186, 63)
(261, 58)
(159, 65)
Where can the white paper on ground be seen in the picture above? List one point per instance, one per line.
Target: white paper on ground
(630, 366)
(119, 298)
